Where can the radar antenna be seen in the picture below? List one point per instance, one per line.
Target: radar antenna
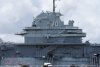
(54, 6)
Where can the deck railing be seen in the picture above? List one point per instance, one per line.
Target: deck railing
(55, 66)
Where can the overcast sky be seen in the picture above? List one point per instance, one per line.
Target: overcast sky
(17, 14)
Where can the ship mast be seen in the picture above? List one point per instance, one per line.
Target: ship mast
(54, 6)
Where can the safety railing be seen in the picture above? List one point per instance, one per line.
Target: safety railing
(54, 66)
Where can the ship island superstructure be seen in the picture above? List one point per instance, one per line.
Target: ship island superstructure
(49, 40)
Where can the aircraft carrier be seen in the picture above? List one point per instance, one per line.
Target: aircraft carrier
(49, 40)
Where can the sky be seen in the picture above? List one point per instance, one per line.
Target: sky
(18, 14)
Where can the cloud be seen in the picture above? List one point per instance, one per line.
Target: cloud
(86, 15)
(17, 14)
(14, 16)
(11, 38)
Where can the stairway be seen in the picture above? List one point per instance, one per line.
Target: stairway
(43, 52)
